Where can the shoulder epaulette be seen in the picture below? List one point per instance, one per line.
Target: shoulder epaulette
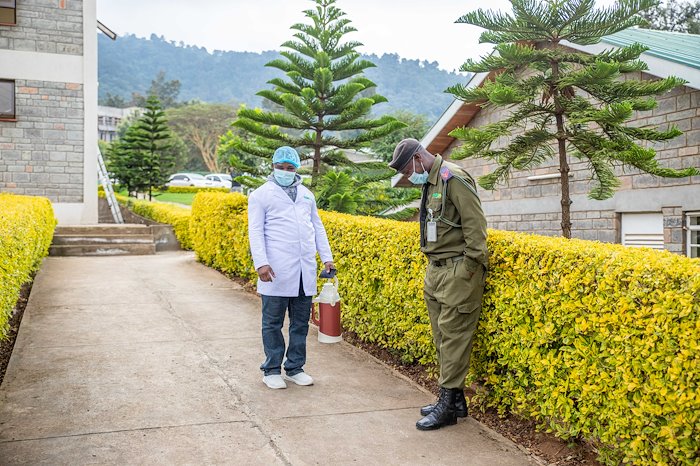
(446, 174)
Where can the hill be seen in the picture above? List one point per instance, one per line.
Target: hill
(130, 63)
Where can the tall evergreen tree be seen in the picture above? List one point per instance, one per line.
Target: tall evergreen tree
(565, 104)
(324, 96)
(142, 159)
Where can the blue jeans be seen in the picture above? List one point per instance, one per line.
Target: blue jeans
(274, 308)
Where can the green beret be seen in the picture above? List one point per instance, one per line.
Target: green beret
(403, 153)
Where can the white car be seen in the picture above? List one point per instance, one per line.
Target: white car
(220, 180)
(188, 179)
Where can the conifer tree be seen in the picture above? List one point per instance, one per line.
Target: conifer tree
(141, 159)
(564, 103)
(323, 97)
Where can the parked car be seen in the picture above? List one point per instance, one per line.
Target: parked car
(188, 179)
(220, 180)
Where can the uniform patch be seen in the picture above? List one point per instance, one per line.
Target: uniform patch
(437, 195)
(445, 173)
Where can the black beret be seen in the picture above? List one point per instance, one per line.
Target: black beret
(403, 153)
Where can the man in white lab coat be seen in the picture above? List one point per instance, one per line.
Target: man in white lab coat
(285, 233)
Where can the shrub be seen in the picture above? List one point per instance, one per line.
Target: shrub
(178, 217)
(26, 230)
(592, 340)
(597, 341)
(219, 230)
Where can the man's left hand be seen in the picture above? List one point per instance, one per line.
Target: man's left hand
(329, 265)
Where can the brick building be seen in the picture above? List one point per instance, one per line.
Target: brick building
(646, 210)
(48, 104)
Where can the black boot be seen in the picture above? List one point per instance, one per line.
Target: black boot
(460, 405)
(444, 412)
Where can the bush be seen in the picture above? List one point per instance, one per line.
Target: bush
(597, 341)
(26, 230)
(193, 189)
(178, 217)
(219, 230)
(592, 340)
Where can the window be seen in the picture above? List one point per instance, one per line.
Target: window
(7, 99)
(8, 10)
(643, 230)
(693, 227)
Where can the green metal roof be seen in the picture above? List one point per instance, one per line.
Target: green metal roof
(677, 47)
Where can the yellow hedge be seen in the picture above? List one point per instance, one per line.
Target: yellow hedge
(178, 217)
(219, 230)
(193, 189)
(591, 340)
(598, 341)
(26, 230)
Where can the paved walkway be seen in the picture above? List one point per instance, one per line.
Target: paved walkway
(154, 360)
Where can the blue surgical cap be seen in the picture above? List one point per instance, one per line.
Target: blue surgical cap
(286, 154)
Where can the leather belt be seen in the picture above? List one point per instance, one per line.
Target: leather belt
(448, 261)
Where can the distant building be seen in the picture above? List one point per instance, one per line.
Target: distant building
(109, 118)
(661, 213)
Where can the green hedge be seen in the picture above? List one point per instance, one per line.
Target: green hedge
(591, 340)
(178, 217)
(26, 230)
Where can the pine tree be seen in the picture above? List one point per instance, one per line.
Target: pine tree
(324, 96)
(142, 159)
(564, 103)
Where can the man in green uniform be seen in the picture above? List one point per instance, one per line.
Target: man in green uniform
(453, 237)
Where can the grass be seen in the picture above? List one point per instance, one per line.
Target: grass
(180, 198)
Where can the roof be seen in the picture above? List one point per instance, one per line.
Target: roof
(677, 47)
(670, 54)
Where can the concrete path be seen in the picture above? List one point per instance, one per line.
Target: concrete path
(154, 360)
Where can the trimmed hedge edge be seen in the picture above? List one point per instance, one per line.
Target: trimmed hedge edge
(26, 231)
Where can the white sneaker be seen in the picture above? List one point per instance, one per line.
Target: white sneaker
(302, 378)
(274, 381)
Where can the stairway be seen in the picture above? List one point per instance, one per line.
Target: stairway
(103, 240)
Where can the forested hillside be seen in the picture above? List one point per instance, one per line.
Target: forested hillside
(129, 64)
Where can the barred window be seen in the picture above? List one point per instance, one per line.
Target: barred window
(692, 221)
(7, 99)
(8, 12)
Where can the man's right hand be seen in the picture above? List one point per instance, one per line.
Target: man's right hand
(265, 273)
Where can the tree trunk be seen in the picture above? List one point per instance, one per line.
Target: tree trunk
(564, 170)
(563, 161)
(317, 159)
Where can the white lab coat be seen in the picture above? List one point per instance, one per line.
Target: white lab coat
(286, 236)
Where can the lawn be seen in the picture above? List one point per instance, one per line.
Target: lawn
(180, 198)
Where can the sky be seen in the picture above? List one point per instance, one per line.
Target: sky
(413, 29)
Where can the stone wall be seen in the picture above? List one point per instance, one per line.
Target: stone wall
(520, 204)
(42, 152)
(46, 26)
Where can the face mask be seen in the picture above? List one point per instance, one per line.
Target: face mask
(418, 178)
(283, 177)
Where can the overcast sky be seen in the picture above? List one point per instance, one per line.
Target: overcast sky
(414, 29)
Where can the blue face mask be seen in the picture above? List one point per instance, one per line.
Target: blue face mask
(418, 178)
(283, 177)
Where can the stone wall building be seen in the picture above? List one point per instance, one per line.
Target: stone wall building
(48, 104)
(645, 211)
